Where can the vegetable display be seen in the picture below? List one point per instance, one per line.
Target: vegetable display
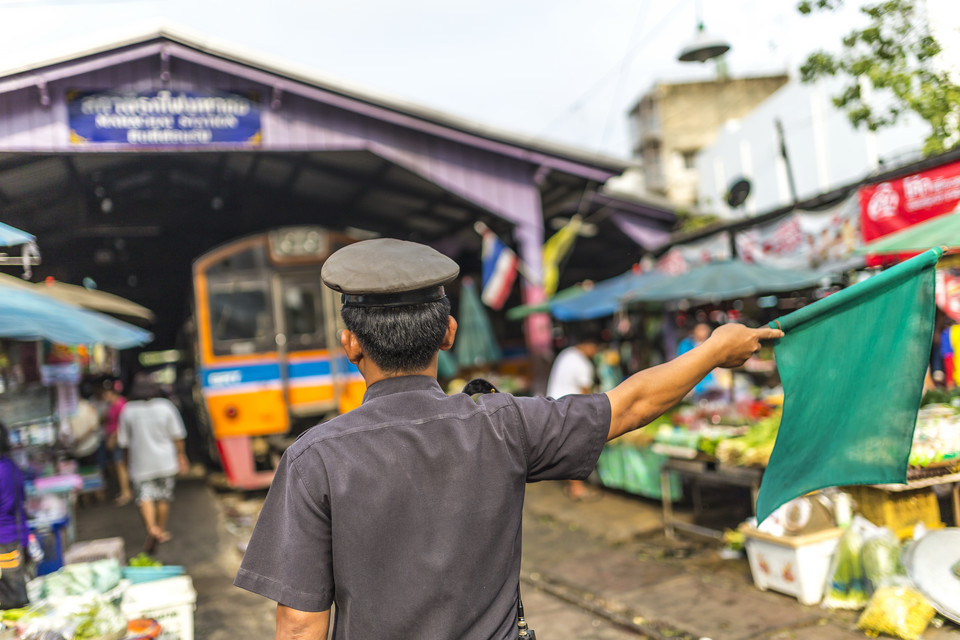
(897, 611)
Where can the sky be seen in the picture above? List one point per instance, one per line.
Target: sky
(561, 70)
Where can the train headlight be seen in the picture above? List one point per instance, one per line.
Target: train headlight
(231, 412)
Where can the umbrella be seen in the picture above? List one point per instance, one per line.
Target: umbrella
(28, 315)
(10, 236)
(939, 231)
(475, 344)
(722, 281)
(94, 299)
(524, 310)
(604, 299)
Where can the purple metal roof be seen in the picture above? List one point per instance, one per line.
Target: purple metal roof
(494, 170)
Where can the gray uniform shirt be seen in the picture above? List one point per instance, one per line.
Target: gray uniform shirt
(407, 510)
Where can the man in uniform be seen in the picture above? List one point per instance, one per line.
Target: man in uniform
(406, 511)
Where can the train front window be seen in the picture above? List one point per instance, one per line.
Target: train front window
(303, 314)
(240, 318)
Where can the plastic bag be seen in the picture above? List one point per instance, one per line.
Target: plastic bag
(87, 617)
(83, 577)
(881, 558)
(846, 583)
(898, 611)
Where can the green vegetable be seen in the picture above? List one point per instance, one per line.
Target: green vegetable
(144, 560)
(881, 559)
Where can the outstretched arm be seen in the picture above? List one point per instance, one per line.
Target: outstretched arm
(293, 624)
(645, 395)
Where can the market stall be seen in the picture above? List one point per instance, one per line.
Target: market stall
(47, 348)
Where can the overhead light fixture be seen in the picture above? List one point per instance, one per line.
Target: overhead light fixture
(704, 46)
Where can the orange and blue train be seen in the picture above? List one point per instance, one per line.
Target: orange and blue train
(268, 356)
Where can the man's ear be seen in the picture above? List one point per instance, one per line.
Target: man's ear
(451, 333)
(350, 344)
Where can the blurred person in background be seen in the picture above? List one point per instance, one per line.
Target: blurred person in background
(698, 335)
(14, 530)
(115, 465)
(573, 373)
(151, 433)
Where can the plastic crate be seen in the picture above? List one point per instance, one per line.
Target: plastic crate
(899, 511)
(795, 565)
(139, 575)
(171, 602)
(93, 550)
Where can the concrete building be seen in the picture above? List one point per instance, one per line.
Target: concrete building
(824, 149)
(673, 121)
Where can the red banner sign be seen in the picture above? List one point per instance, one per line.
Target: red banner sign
(897, 204)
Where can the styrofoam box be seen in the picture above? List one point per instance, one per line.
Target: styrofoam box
(170, 601)
(795, 565)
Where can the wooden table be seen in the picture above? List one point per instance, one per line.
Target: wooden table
(704, 472)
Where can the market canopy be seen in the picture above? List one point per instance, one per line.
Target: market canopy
(29, 315)
(722, 281)
(11, 236)
(940, 231)
(94, 299)
(524, 310)
(603, 299)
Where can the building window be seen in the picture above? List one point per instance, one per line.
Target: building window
(689, 159)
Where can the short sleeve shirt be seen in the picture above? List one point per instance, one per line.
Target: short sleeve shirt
(407, 510)
(149, 430)
(572, 372)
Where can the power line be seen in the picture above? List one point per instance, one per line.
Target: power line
(577, 104)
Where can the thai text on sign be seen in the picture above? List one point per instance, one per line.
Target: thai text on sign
(164, 117)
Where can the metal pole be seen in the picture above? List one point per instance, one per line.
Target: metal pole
(786, 160)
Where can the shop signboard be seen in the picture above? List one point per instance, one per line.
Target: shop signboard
(819, 240)
(897, 204)
(164, 118)
(684, 257)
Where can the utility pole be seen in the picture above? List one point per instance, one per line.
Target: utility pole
(786, 160)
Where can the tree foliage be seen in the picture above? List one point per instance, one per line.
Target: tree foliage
(892, 68)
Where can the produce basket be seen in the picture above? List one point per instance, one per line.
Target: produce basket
(139, 575)
(899, 511)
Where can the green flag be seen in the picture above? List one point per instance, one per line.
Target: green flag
(852, 367)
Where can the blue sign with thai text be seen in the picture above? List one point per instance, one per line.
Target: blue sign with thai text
(164, 118)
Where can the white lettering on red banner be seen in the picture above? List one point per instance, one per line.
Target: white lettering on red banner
(897, 204)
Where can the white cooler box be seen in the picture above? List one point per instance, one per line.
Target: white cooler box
(795, 565)
(170, 601)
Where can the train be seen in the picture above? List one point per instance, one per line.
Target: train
(267, 356)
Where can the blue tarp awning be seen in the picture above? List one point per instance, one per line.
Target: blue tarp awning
(25, 315)
(11, 236)
(604, 299)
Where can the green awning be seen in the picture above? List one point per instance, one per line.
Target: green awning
(723, 281)
(524, 310)
(940, 231)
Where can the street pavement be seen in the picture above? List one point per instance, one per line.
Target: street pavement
(591, 571)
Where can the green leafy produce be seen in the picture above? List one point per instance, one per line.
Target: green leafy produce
(144, 560)
(752, 448)
(881, 559)
(847, 588)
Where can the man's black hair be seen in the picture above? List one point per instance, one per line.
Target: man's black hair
(399, 339)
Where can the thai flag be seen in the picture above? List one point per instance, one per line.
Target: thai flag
(499, 270)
